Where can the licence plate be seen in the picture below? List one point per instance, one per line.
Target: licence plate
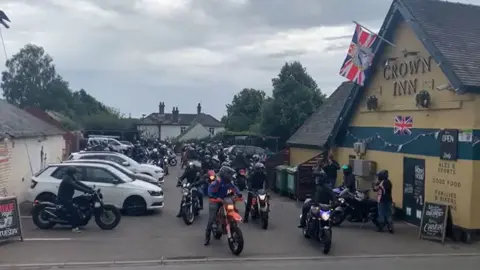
(97, 205)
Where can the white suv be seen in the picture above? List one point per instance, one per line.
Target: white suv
(148, 169)
(133, 196)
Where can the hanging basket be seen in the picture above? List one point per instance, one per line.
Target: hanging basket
(372, 103)
(423, 99)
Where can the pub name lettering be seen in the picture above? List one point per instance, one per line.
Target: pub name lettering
(398, 71)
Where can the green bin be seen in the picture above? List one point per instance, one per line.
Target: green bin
(292, 180)
(281, 180)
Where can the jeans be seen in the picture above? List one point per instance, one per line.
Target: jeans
(71, 214)
(385, 212)
(213, 208)
(248, 206)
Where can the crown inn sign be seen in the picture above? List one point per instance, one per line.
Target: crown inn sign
(400, 71)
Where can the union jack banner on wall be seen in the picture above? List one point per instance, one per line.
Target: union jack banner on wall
(402, 125)
(359, 57)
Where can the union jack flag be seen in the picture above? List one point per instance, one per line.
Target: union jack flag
(359, 57)
(402, 125)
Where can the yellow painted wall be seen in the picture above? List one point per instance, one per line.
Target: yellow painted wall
(300, 155)
(448, 110)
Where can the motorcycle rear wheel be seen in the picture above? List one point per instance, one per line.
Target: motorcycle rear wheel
(108, 209)
(236, 242)
(40, 219)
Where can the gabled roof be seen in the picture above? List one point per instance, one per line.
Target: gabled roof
(317, 129)
(184, 119)
(192, 126)
(16, 122)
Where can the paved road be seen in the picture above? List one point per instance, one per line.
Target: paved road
(161, 235)
(438, 263)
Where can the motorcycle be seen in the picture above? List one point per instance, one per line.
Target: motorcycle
(227, 223)
(46, 215)
(260, 207)
(172, 161)
(190, 203)
(165, 165)
(357, 208)
(241, 179)
(318, 225)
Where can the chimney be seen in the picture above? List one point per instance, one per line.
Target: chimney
(161, 108)
(175, 113)
(199, 108)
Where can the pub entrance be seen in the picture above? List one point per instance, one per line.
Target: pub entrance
(413, 189)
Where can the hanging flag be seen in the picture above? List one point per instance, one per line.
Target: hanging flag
(359, 57)
(4, 19)
(402, 125)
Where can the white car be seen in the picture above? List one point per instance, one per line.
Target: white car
(134, 196)
(118, 146)
(148, 169)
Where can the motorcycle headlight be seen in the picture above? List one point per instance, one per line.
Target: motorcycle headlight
(185, 192)
(341, 200)
(262, 197)
(325, 215)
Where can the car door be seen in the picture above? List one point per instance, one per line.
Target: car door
(103, 179)
(122, 162)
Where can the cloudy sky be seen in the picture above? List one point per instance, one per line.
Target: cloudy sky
(132, 54)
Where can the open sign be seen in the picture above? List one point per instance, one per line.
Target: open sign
(449, 144)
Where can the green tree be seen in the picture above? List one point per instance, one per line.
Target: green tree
(245, 109)
(295, 97)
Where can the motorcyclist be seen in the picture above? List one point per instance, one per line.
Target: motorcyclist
(240, 162)
(207, 164)
(255, 181)
(191, 174)
(323, 194)
(162, 150)
(137, 152)
(217, 191)
(349, 181)
(66, 190)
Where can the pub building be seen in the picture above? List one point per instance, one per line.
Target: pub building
(418, 114)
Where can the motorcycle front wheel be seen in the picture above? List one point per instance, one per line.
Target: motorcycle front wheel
(109, 218)
(41, 218)
(264, 220)
(187, 215)
(235, 243)
(173, 162)
(327, 241)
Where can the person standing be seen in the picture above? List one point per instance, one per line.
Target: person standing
(383, 187)
(331, 168)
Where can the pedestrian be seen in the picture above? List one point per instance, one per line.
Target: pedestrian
(331, 168)
(383, 187)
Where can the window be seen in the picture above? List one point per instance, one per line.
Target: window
(99, 175)
(92, 157)
(60, 172)
(115, 159)
(113, 142)
(182, 129)
(212, 131)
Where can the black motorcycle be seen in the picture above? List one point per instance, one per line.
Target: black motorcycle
(46, 215)
(190, 202)
(356, 208)
(260, 207)
(318, 225)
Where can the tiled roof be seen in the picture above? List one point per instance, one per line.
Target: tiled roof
(19, 123)
(184, 119)
(317, 129)
(453, 31)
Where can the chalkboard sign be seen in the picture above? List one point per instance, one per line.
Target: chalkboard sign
(10, 225)
(433, 224)
(448, 144)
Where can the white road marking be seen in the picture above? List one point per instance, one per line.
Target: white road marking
(47, 239)
(246, 259)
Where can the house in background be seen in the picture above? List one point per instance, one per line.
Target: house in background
(194, 131)
(27, 144)
(161, 125)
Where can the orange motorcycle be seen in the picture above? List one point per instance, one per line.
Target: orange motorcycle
(227, 222)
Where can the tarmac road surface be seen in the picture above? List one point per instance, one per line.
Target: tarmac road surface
(163, 236)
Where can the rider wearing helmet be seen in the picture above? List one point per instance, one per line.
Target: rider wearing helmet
(66, 190)
(207, 163)
(349, 181)
(217, 191)
(255, 181)
(323, 194)
(383, 187)
(191, 174)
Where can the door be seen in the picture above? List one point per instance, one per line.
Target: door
(413, 189)
(103, 179)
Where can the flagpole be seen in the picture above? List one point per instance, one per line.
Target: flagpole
(371, 32)
(3, 44)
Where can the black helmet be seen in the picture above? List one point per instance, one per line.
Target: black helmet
(258, 166)
(71, 171)
(226, 173)
(382, 175)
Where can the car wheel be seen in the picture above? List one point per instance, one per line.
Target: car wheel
(135, 206)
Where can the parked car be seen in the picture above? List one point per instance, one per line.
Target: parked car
(246, 149)
(132, 175)
(115, 144)
(135, 197)
(148, 169)
(127, 143)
